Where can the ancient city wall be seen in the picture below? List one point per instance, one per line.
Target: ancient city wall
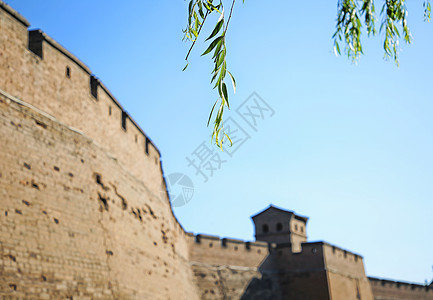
(44, 74)
(395, 290)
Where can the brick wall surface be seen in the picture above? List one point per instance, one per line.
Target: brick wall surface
(75, 223)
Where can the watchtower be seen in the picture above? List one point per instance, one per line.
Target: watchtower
(275, 225)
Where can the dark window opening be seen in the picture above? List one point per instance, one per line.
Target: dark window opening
(68, 72)
(109, 110)
(302, 228)
(94, 86)
(279, 226)
(265, 228)
(146, 145)
(36, 39)
(124, 116)
(296, 226)
(136, 138)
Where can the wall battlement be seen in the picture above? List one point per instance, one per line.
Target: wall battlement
(52, 79)
(390, 289)
(211, 249)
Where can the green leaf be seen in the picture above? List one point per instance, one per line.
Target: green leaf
(211, 112)
(186, 66)
(231, 143)
(233, 81)
(221, 58)
(212, 45)
(226, 96)
(217, 28)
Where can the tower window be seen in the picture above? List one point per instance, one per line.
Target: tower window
(302, 228)
(279, 226)
(296, 227)
(265, 228)
(68, 72)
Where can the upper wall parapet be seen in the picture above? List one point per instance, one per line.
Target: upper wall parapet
(210, 249)
(36, 39)
(317, 256)
(390, 289)
(14, 14)
(237, 244)
(400, 285)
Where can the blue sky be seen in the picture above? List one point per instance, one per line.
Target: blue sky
(349, 145)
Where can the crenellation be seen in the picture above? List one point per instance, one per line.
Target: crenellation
(214, 250)
(390, 289)
(14, 14)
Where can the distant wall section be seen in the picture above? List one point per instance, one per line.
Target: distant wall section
(396, 290)
(229, 268)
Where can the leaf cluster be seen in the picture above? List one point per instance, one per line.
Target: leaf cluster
(198, 11)
(394, 19)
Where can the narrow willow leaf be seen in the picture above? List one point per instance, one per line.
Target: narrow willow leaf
(212, 45)
(231, 143)
(186, 66)
(214, 76)
(217, 49)
(221, 58)
(233, 82)
(225, 94)
(211, 112)
(217, 28)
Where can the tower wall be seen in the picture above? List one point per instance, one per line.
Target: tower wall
(346, 274)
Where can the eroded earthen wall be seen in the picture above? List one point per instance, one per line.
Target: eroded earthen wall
(75, 223)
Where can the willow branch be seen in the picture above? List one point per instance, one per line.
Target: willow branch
(198, 34)
(230, 16)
